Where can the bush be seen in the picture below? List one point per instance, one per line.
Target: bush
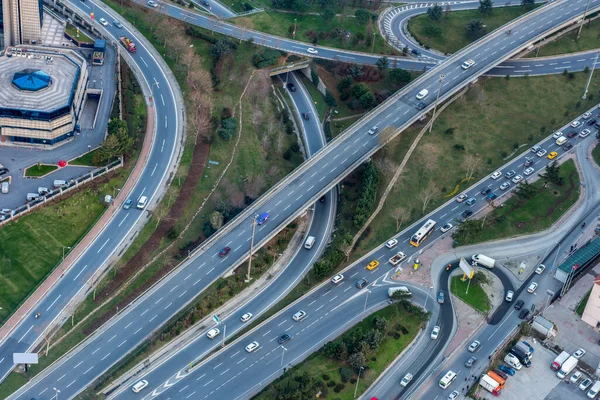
(325, 377)
(433, 30)
(368, 195)
(331, 384)
(267, 58)
(228, 128)
(338, 388)
(345, 374)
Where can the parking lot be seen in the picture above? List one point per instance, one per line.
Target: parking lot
(539, 381)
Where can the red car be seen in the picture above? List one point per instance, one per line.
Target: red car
(224, 252)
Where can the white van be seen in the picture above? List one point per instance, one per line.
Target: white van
(447, 379)
(139, 386)
(43, 190)
(594, 390)
(561, 140)
(214, 332)
(32, 196)
(310, 241)
(59, 182)
(142, 202)
(513, 361)
(5, 187)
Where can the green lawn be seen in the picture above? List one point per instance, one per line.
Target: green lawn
(326, 33)
(534, 215)
(87, 159)
(78, 34)
(40, 170)
(494, 117)
(569, 43)
(347, 8)
(582, 304)
(452, 36)
(318, 365)
(596, 154)
(475, 297)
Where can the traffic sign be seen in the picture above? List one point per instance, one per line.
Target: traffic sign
(216, 319)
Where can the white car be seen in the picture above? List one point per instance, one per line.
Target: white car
(504, 186)
(312, 50)
(446, 227)
(252, 347)
(453, 395)
(509, 296)
(474, 346)
(575, 377)
(337, 279)
(103, 22)
(584, 133)
(435, 332)
(575, 124)
(373, 130)
(517, 179)
(586, 115)
(496, 175)
(390, 244)
(579, 353)
(139, 386)
(528, 171)
(300, 315)
(214, 332)
(540, 269)
(468, 64)
(246, 317)
(461, 197)
(406, 380)
(557, 134)
(152, 3)
(586, 383)
(422, 94)
(532, 286)
(541, 153)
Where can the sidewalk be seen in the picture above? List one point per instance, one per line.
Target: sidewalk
(27, 307)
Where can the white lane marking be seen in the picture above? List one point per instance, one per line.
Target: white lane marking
(71, 383)
(163, 99)
(78, 364)
(238, 352)
(123, 220)
(169, 305)
(321, 306)
(137, 331)
(144, 61)
(197, 282)
(58, 380)
(163, 146)
(95, 351)
(186, 278)
(100, 249)
(211, 270)
(152, 319)
(122, 343)
(105, 357)
(241, 360)
(181, 295)
(55, 300)
(266, 333)
(208, 383)
(114, 336)
(218, 365)
(128, 325)
(154, 169)
(82, 269)
(88, 370)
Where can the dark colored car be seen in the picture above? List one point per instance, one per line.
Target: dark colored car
(491, 196)
(127, 204)
(597, 125)
(284, 338)
(470, 362)
(306, 116)
(504, 375)
(591, 122)
(524, 313)
(519, 304)
(507, 369)
(572, 134)
(567, 146)
(322, 199)
(416, 52)
(421, 105)
(528, 162)
(291, 87)
(262, 218)
(466, 214)
(224, 251)
(361, 284)
(486, 191)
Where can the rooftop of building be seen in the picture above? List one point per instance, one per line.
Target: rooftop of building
(31, 66)
(584, 255)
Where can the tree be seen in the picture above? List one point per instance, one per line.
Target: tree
(216, 220)
(527, 2)
(475, 29)
(367, 100)
(398, 76)
(300, 5)
(467, 231)
(374, 338)
(400, 295)
(552, 174)
(435, 12)
(383, 63)
(357, 360)
(360, 89)
(525, 191)
(471, 164)
(380, 323)
(485, 6)
(362, 16)
(329, 99)
(400, 215)
(344, 85)
(328, 14)
(428, 194)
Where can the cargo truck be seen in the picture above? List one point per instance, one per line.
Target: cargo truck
(483, 260)
(129, 45)
(525, 349)
(395, 260)
(520, 354)
(490, 385)
(559, 360)
(497, 378)
(99, 50)
(567, 367)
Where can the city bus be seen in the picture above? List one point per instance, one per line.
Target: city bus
(422, 233)
(447, 379)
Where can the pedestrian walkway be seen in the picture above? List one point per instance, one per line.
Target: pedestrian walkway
(28, 306)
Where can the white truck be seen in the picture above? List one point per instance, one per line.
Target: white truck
(567, 367)
(398, 288)
(490, 385)
(397, 258)
(483, 260)
(559, 360)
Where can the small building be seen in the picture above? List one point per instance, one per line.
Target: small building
(591, 314)
(543, 326)
(43, 91)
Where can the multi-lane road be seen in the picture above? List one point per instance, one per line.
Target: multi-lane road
(300, 189)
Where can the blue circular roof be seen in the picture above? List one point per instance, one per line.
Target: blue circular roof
(31, 80)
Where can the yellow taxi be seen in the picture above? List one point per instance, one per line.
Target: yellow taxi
(552, 155)
(372, 265)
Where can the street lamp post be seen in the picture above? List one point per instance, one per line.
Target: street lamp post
(56, 392)
(587, 6)
(587, 85)
(366, 298)
(65, 247)
(294, 33)
(251, 247)
(283, 350)
(358, 380)
(442, 76)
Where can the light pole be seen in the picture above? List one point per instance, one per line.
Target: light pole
(366, 298)
(587, 6)
(373, 43)
(442, 76)
(65, 247)
(224, 334)
(358, 380)
(251, 247)
(294, 33)
(56, 392)
(587, 85)
(283, 350)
